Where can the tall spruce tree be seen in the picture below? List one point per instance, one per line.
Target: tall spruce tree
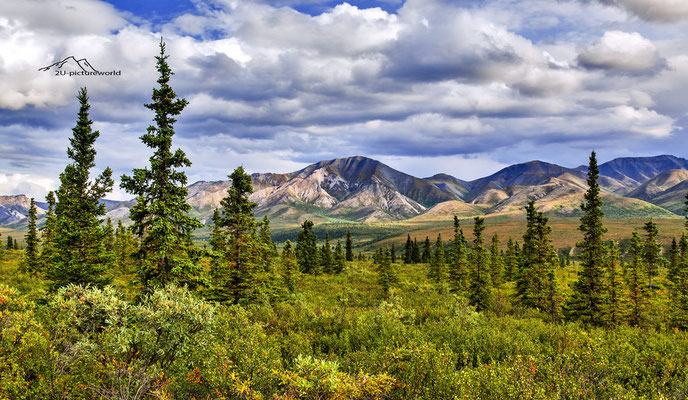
(10, 243)
(47, 233)
(458, 263)
(307, 250)
(109, 236)
(160, 216)
(326, 255)
(427, 251)
(651, 253)
(512, 260)
(408, 250)
(589, 294)
(289, 268)
(268, 249)
(415, 252)
(125, 248)
(386, 274)
(538, 257)
(339, 259)
(349, 247)
(635, 282)
(240, 259)
(496, 263)
(437, 271)
(30, 262)
(80, 255)
(480, 292)
(615, 309)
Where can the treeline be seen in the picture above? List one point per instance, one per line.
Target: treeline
(610, 289)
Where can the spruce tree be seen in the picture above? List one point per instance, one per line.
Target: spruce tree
(80, 255)
(674, 260)
(437, 271)
(416, 252)
(160, 216)
(268, 249)
(349, 247)
(125, 248)
(589, 294)
(326, 255)
(386, 273)
(408, 250)
(537, 259)
(307, 250)
(240, 258)
(651, 253)
(480, 293)
(109, 236)
(393, 254)
(427, 251)
(511, 262)
(496, 263)
(635, 282)
(552, 296)
(615, 305)
(289, 268)
(47, 233)
(30, 262)
(10, 243)
(339, 259)
(459, 263)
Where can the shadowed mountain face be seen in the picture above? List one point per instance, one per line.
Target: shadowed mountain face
(641, 169)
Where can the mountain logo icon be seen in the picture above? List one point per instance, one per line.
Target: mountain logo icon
(82, 63)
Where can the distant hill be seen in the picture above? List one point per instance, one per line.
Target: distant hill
(641, 169)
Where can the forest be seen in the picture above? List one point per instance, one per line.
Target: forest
(90, 309)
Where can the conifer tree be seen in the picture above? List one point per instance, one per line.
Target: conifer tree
(427, 251)
(538, 258)
(80, 255)
(437, 271)
(393, 254)
(109, 236)
(587, 301)
(125, 248)
(326, 255)
(496, 263)
(416, 252)
(289, 268)
(268, 249)
(480, 293)
(30, 262)
(552, 296)
(458, 264)
(635, 281)
(386, 274)
(160, 216)
(349, 247)
(616, 294)
(339, 259)
(674, 259)
(651, 253)
(10, 243)
(47, 233)
(241, 255)
(307, 250)
(511, 262)
(408, 250)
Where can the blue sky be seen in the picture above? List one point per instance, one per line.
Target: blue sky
(426, 86)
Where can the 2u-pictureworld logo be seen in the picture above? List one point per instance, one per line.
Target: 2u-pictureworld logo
(70, 66)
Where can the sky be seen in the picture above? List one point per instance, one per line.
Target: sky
(464, 87)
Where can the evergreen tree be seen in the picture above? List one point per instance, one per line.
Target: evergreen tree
(240, 258)
(427, 251)
(386, 274)
(635, 282)
(480, 293)
(615, 304)
(339, 259)
(408, 250)
(511, 262)
(10, 243)
(289, 268)
(307, 250)
(458, 264)
(30, 262)
(416, 252)
(109, 236)
(674, 260)
(651, 253)
(552, 296)
(47, 233)
(437, 271)
(80, 255)
(496, 263)
(587, 302)
(160, 216)
(349, 247)
(268, 249)
(125, 248)
(393, 254)
(326, 256)
(537, 259)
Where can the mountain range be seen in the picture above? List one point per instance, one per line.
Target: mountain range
(361, 189)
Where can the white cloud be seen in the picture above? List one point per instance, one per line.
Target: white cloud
(657, 10)
(623, 51)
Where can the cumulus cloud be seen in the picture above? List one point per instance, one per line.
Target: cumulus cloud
(622, 51)
(654, 10)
